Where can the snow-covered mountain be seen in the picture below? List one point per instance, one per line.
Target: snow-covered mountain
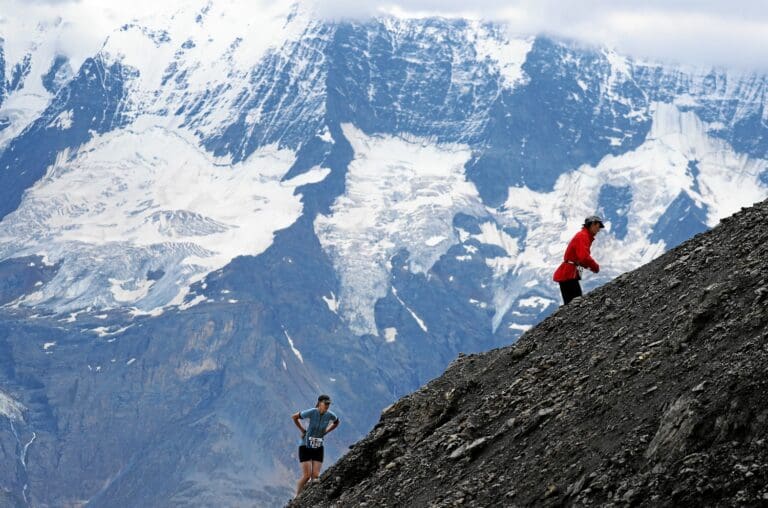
(228, 207)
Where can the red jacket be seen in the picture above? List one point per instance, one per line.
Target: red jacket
(577, 252)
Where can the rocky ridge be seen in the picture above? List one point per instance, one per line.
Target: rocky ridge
(649, 391)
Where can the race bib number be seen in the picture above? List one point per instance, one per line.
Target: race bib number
(315, 442)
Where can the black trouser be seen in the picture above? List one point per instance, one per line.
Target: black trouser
(570, 290)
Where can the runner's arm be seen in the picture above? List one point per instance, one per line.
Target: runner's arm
(296, 417)
(584, 257)
(332, 426)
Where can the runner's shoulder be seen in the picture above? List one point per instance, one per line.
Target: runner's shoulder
(308, 413)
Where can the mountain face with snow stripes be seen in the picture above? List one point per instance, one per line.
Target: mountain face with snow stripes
(210, 220)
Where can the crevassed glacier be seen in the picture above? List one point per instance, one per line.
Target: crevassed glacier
(146, 200)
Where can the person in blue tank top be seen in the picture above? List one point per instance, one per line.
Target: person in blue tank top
(321, 422)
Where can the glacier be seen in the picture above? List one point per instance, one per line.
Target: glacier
(148, 199)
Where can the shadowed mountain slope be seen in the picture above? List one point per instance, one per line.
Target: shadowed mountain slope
(650, 391)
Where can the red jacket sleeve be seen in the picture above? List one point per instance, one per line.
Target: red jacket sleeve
(583, 255)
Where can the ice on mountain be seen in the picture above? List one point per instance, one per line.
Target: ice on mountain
(415, 317)
(492, 234)
(390, 334)
(108, 331)
(11, 408)
(170, 207)
(122, 294)
(296, 352)
(398, 191)
(536, 302)
(325, 135)
(197, 300)
(434, 240)
(314, 175)
(331, 302)
(508, 53)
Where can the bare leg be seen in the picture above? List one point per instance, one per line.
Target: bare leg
(316, 466)
(306, 473)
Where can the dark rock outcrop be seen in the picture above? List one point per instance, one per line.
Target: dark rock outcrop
(649, 391)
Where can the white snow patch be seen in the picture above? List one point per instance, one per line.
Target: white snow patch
(293, 348)
(72, 316)
(478, 303)
(105, 331)
(616, 141)
(536, 302)
(153, 313)
(509, 54)
(332, 302)
(48, 345)
(519, 327)
(502, 265)
(11, 408)
(63, 121)
(314, 175)
(326, 136)
(194, 301)
(434, 240)
(121, 294)
(416, 318)
(129, 362)
(390, 334)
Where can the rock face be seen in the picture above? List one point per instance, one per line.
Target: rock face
(649, 391)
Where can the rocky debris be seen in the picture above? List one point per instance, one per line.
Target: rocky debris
(664, 404)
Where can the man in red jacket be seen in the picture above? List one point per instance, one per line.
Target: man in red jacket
(576, 258)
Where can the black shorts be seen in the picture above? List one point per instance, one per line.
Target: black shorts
(306, 454)
(570, 289)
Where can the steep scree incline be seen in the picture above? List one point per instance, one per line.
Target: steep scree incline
(651, 391)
